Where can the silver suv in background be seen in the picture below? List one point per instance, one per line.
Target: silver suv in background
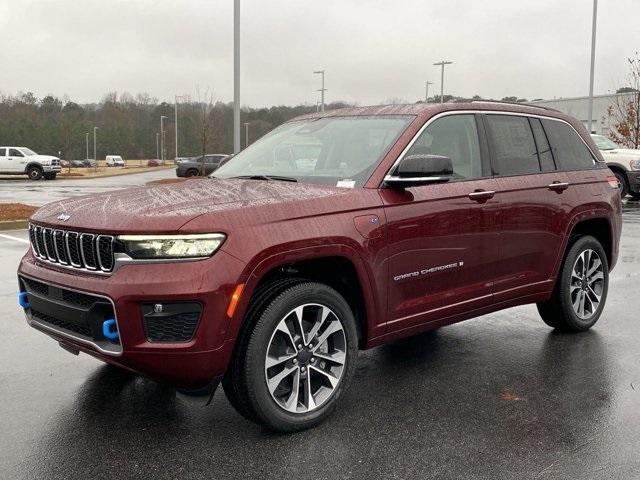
(624, 163)
(23, 161)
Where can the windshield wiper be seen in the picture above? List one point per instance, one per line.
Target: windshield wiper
(267, 177)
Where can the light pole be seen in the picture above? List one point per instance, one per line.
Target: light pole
(157, 146)
(87, 143)
(162, 117)
(593, 62)
(442, 64)
(246, 134)
(236, 76)
(426, 94)
(176, 120)
(95, 156)
(322, 90)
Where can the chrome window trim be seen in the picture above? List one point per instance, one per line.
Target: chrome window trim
(480, 112)
(32, 320)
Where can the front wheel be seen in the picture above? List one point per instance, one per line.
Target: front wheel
(50, 176)
(581, 288)
(34, 172)
(299, 357)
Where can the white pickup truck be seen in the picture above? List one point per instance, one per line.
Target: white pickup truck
(23, 161)
(624, 163)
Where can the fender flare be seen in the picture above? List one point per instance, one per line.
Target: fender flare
(257, 268)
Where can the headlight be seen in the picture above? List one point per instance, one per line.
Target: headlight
(171, 246)
(635, 164)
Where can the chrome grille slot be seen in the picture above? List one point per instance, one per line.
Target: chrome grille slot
(88, 251)
(83, 251)
(73, 247)
(60, 247)
(47, 233)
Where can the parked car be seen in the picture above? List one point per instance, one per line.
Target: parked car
(624, 163)
(65, 163)
(154, 163)
(194, 166)
(114, 161)
(178, 160)
(86, 163)
(24, 161)
(270, 279)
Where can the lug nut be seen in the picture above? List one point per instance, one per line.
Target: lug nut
(312, 360)
(295, 360)
(303, 369)
(299, 346)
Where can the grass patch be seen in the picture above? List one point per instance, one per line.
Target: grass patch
(16, 211)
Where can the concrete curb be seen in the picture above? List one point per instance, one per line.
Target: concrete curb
(13, 224)
(111, 175)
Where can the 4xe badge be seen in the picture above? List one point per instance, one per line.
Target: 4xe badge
(63, 216)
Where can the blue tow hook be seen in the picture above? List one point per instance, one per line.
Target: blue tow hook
(110, 330)
(23, 301)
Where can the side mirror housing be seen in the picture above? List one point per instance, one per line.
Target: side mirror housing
(415, 170)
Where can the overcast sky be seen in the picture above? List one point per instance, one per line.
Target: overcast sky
(372, 50)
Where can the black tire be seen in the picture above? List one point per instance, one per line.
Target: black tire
(251, 377)
(624, 184)
(192, 172)
(635, 195)
(558, 312)
(34, 172)
(234, 388)
(50, 176)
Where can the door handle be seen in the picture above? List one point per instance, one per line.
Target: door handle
(558, 186)
(481, 195)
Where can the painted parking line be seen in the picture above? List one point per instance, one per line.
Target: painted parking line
(15, 239)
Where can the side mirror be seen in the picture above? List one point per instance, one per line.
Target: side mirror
(415, 170)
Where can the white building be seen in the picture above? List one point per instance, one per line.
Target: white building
(579, 108)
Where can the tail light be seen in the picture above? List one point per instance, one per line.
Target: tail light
(613, 181)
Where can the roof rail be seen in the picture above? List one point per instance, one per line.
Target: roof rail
(516, 103)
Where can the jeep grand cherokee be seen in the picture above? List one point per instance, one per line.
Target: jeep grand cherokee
(336, 232)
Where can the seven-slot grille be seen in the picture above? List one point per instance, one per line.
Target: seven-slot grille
(84, 251)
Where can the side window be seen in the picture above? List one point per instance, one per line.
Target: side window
(15, 153)
(514, 151)
(544, 149)
(568, 148)
(456, 137)
(3, 152)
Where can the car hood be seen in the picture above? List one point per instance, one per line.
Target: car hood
(167, 208)
(42, 158)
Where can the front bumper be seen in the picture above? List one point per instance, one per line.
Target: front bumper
(187, 364)
(51, 168)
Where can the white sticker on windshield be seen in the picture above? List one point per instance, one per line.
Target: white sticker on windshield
(346, 183)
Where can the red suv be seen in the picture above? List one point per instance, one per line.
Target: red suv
(336, 232)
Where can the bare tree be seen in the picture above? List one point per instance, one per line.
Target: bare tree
(624, 115)
(205, 120)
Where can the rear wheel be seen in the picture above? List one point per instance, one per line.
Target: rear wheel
(34, 172)
(299, 357)
(192, 172)
(581, 289)
(622, 180)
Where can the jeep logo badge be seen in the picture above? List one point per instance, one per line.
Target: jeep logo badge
(64, 217)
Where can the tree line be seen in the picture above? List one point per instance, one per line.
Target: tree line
(127, 125)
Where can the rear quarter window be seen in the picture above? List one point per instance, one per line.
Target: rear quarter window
(569, 151)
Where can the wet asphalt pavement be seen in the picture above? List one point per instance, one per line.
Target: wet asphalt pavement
(14, 188)
(498, 397)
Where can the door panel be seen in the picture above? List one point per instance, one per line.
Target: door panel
(442, 251)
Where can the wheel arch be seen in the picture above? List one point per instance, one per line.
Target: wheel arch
(337, 266)
(33, 164)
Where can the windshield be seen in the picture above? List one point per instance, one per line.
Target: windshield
(325, 150)
(28, 152)
(603, 143)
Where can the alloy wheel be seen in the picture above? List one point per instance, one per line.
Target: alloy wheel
(305, 358)
(587, 284)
